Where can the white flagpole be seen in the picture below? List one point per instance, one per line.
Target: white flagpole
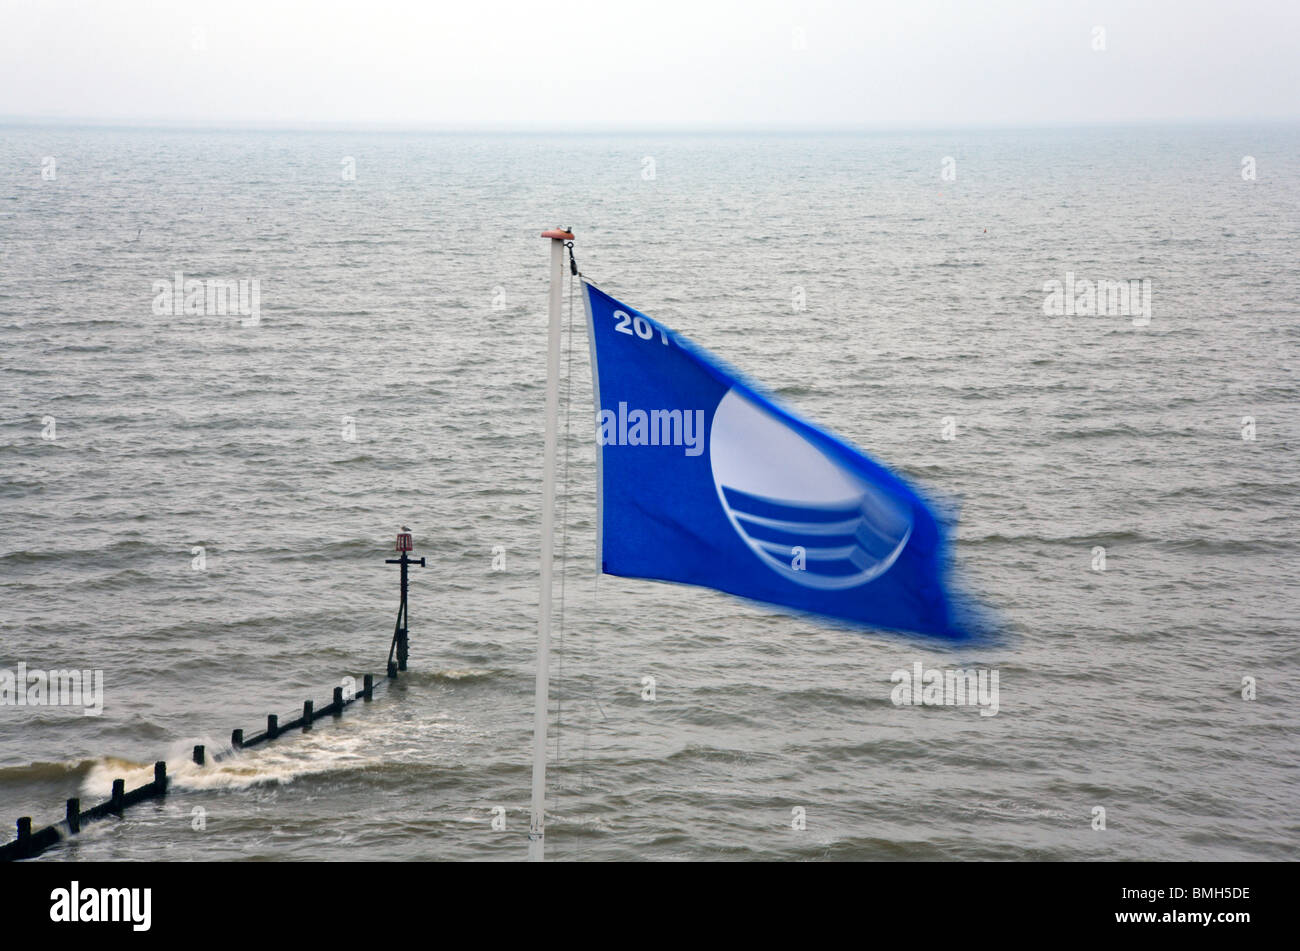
(537, 827)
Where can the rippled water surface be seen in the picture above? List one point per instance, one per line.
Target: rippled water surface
(405, 307)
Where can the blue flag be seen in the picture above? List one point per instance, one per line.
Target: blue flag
(705, 481)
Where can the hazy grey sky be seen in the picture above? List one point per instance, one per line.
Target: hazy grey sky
(659, 62)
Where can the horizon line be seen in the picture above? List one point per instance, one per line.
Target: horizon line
(599, 126)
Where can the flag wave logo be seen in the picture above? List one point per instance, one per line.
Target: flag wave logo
(804, 515)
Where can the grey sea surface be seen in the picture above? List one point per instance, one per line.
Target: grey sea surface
(396, 376)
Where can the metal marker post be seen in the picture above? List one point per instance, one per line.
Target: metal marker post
(399, 645)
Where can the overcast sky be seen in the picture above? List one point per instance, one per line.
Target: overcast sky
(463, 63)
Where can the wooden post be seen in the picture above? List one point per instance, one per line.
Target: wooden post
(24, 828)
(199, 755)
(338, 701)
(74, 815)
(368, 691)
(119, 790)
(160, 776)
(306, 714)
(272, 726)
(237, 739)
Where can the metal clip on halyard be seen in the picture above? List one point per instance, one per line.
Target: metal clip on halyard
(573, 262)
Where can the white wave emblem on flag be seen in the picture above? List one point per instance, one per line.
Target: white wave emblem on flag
(781, 493)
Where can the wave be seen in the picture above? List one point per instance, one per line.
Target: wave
(468, 674)
(1102, 538)
(44, 772)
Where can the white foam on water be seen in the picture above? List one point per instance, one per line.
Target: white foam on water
(466, 673)
(97, 784)
(327, 748)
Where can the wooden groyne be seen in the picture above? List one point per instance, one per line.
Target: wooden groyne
(29, 843)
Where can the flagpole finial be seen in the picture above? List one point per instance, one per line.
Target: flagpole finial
(559, 234)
